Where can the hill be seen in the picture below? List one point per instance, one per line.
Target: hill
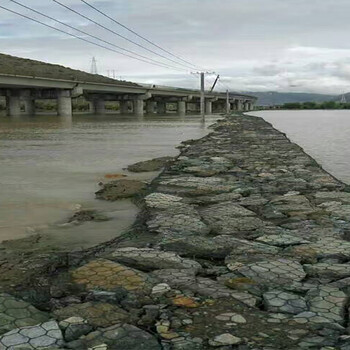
(22, 66)
(270, 98)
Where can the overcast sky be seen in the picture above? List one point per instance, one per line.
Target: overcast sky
(255, 45)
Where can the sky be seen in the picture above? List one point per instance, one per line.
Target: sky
(255, 45)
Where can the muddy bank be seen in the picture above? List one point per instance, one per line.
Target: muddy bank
(242, 243)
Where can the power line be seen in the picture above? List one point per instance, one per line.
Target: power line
(137, 34)
(83, 39)
(96, 37)
(119, 35)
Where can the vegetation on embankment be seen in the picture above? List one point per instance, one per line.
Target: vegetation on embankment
(315, 105)
(21, 66)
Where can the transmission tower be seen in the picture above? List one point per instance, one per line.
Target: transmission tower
(343, 98)
(93, 69)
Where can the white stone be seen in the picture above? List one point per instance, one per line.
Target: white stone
(225, 339)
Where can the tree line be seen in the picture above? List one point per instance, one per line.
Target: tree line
(316, 105)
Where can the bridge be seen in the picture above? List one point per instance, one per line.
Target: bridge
(25, 81)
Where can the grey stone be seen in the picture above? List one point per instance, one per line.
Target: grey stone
(186, 280)
(225, 339)
(152, 259)
(283, 302)
(45, 335)
(230, 218)
(328, 271)
(274, 272)
(281, 240)
(246, 251)
(122, 337)
(74, 328)
(328, 302)
(343, 197)
(15, 313)
(150, 165)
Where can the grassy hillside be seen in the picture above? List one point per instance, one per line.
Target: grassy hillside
(22, 66)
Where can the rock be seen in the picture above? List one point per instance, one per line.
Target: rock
(283, 302)
(119, 189)
(308, 317)
(241, 284)
(328, 302)
(115, 176)
(173, 223)
(108, 276)
(99, 347)
(231, 317)
(43, 336)
(274, 272)
(229, 218)
(177, 279)
(162, 201)
(328, 271)
(186, 280)
(247, 252)
(160, 289)
(15, 313)
(150, 165)
(122, 337)
(281, 240)
(183, 301)
(201, 247)
(343, 197)
(329, 247)
(96, 314)
(343, 284)
(87, 215)
(74, 328)
(289, 204)
(225, 339)
(192, 186)
(147, 259)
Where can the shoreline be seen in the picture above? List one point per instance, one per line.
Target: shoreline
(242, 240)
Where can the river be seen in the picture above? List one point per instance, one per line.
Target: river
(52, 166)
(324, 135)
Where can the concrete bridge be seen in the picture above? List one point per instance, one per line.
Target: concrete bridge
(21, 89)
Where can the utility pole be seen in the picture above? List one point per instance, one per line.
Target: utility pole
(202, 97)
(227, 102)
(216, 80)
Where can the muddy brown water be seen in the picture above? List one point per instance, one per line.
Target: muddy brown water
(49, 167)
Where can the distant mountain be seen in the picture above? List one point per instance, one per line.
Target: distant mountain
(270, 98)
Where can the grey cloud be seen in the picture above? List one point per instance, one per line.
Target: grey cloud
(257, 44)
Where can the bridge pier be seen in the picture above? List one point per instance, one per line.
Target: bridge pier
(64, 103)
(13, 103)
(29, 102)
(161, 107)
(99, 106)
(150, 107)
(181, 108)
(124, 106)
(138, 106)
(208, 107)
(29, 107)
